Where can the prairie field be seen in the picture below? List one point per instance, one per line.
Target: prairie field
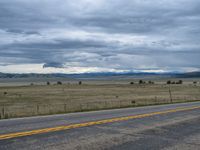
(42, 99)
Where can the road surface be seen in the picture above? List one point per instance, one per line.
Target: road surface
(168, 127)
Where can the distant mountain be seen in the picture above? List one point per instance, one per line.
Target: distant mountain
(28, 75)
(189, 75)
(102, 74)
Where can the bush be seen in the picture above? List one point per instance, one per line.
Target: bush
(5, 93)
(168, 82)
(59, 83)
(133, 102)
(151, 82)
(131, 82)
(48, 83)
(80, 82)
(179, 82)
(141, 82)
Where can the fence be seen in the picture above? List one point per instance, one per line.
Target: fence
(43, 109)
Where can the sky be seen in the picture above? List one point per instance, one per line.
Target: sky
(81, 36)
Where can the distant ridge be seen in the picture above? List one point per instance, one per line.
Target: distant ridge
(24, 75)
(101, 74)
(189, 75)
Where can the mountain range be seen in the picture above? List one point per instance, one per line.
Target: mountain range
(104, 74)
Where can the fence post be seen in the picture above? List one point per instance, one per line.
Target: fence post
(120, 104)
(37, 109)
(2, 113)
(49, 109)
(107, 104)
(155, 99)
(80, 106)
(170, 94)
(65, 107)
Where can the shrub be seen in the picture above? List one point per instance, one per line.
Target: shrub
(179, 82)
(141, 82)
(59, 83)
(151, 82)
(133, 102)
(80, 82)
(131, 82)
(48, 83)
(168, 82)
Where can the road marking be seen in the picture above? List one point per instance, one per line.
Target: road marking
(79, 125)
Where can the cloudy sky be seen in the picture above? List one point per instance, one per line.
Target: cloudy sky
(77, 36)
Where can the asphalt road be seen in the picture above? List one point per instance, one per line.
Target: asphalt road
(174, 126)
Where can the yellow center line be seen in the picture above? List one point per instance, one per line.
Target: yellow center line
(79, 125)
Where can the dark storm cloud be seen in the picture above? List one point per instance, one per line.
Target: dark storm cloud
(129, 34)
(18, 31)
(53, 64)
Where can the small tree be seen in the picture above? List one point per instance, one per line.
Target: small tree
(59, 83)
(80, 82)
(48, 83)
(180, 81)
(133, 101)
(151, 82)
(141, 82)
(168, 82)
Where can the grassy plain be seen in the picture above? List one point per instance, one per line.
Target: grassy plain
(40, 99)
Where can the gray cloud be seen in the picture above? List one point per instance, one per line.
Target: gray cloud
(53, 64)
(129, 34)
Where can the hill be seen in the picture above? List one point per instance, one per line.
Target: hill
(100, 75)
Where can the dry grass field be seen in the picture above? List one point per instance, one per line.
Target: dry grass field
(19, 101)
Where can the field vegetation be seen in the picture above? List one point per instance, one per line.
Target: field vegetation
(59, 97)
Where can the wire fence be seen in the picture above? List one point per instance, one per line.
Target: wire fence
(47, 109)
